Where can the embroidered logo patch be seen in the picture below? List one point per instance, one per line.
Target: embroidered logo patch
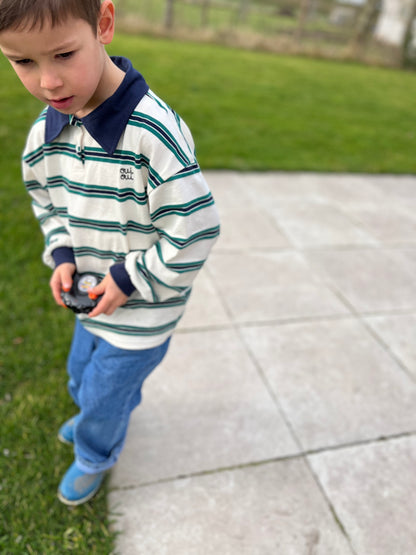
(126, 174)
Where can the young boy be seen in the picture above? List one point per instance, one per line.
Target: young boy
(118, 192)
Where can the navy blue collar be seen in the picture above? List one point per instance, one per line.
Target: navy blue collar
(107, 122)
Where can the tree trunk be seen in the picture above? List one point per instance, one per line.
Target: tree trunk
(205, 6)
(243, 10)
(406, 55)
(365, 26)
(169, 14)
(304, 6)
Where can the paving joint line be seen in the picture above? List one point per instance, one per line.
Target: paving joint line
(302, 455)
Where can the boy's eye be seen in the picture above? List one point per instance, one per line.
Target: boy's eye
(23, 62)
(65, 55)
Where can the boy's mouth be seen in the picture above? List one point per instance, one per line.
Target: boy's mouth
(61, 103)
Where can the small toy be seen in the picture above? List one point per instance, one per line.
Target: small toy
(77, 299)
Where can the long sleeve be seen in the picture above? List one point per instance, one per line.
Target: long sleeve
(183, 212)
(181, 207)
(52, 219)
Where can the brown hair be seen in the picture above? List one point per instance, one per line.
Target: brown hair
(28, 14)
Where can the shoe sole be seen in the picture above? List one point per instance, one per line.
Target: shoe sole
(63, 440)
(74, 503)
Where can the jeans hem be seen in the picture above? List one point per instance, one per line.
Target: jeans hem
(94, 468)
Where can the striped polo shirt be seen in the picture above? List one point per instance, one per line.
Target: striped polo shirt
(121, 191)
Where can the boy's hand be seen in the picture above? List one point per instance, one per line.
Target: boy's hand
(62, 280)
(113, 297)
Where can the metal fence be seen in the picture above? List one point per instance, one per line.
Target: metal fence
(343, 29)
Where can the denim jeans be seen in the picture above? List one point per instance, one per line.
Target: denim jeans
(105, 382)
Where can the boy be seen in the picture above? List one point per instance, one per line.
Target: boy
(118, 192)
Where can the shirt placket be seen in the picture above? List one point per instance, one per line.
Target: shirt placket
(81, 143)
(80, 139)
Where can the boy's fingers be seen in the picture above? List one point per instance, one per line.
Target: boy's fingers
(108, 304)
(56, 290)
(99, 309)
(96, 291)
(66, 280)
(93, 294)
(61, 280)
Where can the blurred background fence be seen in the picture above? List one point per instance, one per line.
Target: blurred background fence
(375, 31)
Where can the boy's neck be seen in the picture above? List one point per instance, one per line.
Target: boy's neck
(111, 80)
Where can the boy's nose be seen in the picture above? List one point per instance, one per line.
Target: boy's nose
(49, 80)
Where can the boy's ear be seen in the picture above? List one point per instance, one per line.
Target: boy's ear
(105, 30)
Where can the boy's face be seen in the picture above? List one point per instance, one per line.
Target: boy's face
(63, 66)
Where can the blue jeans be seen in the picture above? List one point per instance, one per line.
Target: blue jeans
(105, 382)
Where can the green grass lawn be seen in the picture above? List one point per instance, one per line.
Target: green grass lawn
(248, 111)
(252, 110)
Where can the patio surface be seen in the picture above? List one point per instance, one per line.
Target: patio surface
(283, 419)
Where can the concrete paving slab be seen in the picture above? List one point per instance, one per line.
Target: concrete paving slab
(398, 333)
(370, 279)
(241, 226)
(407, 205)
(204, 309)
(204, 408)
(342, 189)
(386, 223)
(230, 191)
(404, 259)
(335, 383)
(371, 489)
(269, 509)
(259, 287)
(346, 189)
(313, 223)
(394, 186)
(242, 229)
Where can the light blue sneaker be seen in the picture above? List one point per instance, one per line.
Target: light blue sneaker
(77, 487)
(66, 431)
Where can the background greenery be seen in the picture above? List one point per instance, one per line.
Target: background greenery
(310, 27)
(252, 110)
(262, 17)
(248, 111)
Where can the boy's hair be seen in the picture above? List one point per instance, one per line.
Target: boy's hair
(29, 14)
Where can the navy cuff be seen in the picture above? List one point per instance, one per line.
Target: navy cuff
(121, 277)
(62, 255)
